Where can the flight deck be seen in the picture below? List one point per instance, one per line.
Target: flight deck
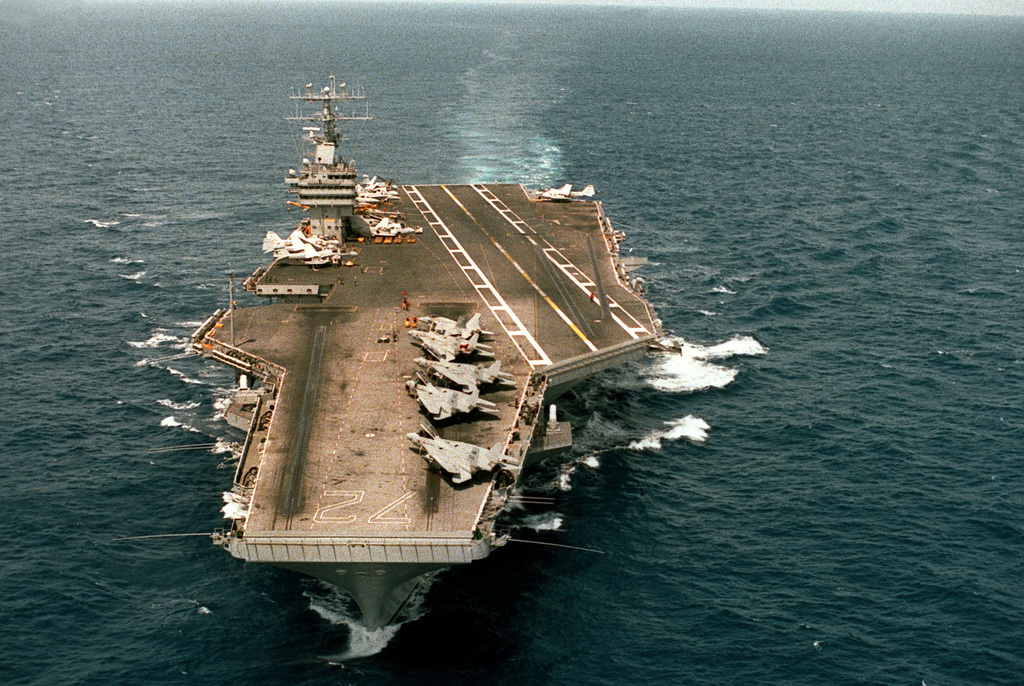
(334, 459)
(335, 478)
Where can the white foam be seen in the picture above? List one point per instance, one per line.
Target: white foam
(184, 377)
(172, 423)
(690, 369)
(177, 406)
(101, 225)
(736, 346)
(159, 338)
(563, 481)
(689, 427)
(686, 373)
(133, 277)
(723, 289)
(126, 260)
(546, 521)
(222, 403)
(223, 446)
(337, 607)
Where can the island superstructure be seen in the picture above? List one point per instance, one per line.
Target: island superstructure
(399, 372)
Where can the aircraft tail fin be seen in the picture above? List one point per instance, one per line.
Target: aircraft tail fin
(272, 242)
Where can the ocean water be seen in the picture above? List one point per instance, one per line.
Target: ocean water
(824, 488)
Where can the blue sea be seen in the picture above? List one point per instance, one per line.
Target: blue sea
(824, 487)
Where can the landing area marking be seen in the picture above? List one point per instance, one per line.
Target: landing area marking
(575, 274)
(505, 315)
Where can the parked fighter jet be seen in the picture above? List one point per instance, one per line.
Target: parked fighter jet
(469, 376)
(390, 227)
(460, 460)
(447, 348)
(442, 403)
(299, 246)
(464, 328)
(565, 193)
(374, 191)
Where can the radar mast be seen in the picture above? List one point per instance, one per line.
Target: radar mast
(326, 184)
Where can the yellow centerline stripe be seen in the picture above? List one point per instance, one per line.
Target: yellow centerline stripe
(526, 276)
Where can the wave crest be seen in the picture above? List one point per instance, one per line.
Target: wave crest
(691, 370)
(689, 427)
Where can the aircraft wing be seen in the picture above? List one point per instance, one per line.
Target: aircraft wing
(458, 467)
(434, 401)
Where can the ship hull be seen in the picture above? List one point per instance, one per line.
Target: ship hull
(380, 591)
(379, 574)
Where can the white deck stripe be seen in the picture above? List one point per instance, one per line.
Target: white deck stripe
(585, 284)
(482, 284)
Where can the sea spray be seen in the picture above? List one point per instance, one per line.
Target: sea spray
(689, 427)
(690, 370)
(338, 607)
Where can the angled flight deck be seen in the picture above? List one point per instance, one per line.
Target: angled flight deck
(562, 294)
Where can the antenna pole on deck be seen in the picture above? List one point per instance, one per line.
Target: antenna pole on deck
(142, 538)
(231, 304)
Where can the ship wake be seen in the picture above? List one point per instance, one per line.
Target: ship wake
(338, 608)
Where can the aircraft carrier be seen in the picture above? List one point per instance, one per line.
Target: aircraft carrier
(398, 364)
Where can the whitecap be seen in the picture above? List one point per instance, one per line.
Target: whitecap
(689, 427)
(688, 372)
(223, 446)
(564, 480)
(546, 521)
(100, 224)
(222, 402)
(172, 423)
(723, 289)
(178, 406)
(133, 277)
(126, 260)
(160, 338)
(184, 377)
(737, 345)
